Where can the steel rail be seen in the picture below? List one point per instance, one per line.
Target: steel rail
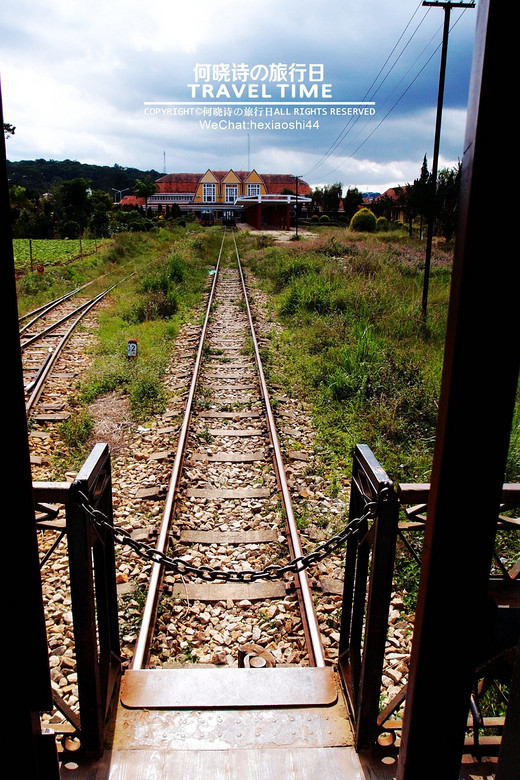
(45, 309)
(54, 325)
(41, 311)
(144, 638)
(51, 358)
(310, 617)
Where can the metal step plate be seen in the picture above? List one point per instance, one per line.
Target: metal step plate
(228, 687)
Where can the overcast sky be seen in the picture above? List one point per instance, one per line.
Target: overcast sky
(104, 83)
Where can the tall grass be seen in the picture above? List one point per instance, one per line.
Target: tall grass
(355, 345)
(149, 308)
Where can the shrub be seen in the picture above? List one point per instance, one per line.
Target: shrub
(156, 305)
(290, 268)
(76, 430)
(176, 269)
(352, 369)
(312, 294)
(364, 221)
(147, 396)
(324, 219)
(382, 224)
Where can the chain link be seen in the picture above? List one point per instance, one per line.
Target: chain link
(272, 572)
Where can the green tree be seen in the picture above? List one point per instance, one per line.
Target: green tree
(351, 201)
(421, 193)
(332, 196)
(72, 207)
(318, 200)
(447, 200)
(414, 199)
(144, 188)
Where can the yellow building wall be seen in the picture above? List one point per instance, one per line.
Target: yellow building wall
(208, 178)
(254, 178)
(220, 186)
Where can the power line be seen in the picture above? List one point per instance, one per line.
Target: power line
(366, 96)
(346, 129)
(396, 103)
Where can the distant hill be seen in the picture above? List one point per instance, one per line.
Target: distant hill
(37, 176)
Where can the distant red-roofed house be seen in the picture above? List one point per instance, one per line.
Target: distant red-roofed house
(389, 205)
(131, 201)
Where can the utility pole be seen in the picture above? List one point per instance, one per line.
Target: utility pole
(296, 233)
(447, 6)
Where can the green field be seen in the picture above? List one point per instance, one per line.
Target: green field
(30, 252)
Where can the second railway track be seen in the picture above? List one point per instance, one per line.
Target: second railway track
(45, 333)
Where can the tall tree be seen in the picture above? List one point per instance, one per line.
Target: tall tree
(351, 201)
(422, 191)
(317, 199)
(332, 196)
(72, 207)
(447, 199)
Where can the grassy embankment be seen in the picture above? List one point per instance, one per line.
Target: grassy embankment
(354, 345)
(164, 276)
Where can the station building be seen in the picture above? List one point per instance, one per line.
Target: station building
(260, 200)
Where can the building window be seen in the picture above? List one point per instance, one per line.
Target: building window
(253, 189)
(208, 193)
(231, 193)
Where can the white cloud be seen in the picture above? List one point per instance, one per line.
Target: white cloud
(75, 78)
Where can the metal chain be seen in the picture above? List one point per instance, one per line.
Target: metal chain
(272, 572)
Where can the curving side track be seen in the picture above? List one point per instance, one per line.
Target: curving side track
(45, 332)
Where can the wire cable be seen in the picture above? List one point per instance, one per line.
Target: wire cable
(403, 93)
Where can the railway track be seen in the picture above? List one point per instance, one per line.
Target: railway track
(228, 511)
(206, 484)
(44, 334)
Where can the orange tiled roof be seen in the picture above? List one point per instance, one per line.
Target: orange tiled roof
(179, 182)
(188, 182)
(132, 200)
(276, 182)
(391, 193)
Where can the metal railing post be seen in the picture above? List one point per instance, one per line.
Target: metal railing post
(369, 564)
(93, 597)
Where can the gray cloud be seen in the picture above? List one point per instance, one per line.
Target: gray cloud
(75, 78)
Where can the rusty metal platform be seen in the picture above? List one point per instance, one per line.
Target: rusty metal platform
(265, 742)
(282, 722)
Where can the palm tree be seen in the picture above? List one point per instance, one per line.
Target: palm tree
(144, 188)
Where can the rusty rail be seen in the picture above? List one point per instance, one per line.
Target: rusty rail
(143, 640)
(36, 386)
(308, 613)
